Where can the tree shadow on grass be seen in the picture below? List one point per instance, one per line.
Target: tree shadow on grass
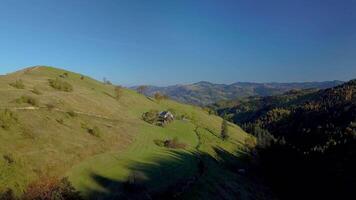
(183, 175)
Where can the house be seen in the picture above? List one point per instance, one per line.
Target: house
(166, 115)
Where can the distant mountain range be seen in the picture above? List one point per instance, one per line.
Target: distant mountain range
(203, 93)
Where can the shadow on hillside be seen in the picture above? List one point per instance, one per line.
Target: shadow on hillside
(180, 175)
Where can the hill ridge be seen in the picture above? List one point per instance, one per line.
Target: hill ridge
(96, 131)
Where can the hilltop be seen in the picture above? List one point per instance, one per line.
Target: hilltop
(55, 123)
(204, 93)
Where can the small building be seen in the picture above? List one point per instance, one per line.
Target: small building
(165, 117)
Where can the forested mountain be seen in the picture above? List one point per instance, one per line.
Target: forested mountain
(203, 93)
(306, 139)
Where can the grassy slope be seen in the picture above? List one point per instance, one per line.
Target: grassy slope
(40, 145)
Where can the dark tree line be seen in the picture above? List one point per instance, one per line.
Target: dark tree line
(306, 140)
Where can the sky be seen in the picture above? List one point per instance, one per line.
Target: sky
(182, 41)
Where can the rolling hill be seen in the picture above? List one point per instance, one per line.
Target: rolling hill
(56, 123)
(204, 93)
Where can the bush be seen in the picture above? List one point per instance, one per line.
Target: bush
(60, 85)
(158, 96)
(7, 119)
(28, 99)
(50, 106)
(9, 158)
(72, 113)
(64, 75)
(36, 91)
(250, 142)
(106, 82)
(51, 188)
(224, 130)
(94, 131)
(18, 84)
(7, 194)
(151, 116)
(60, 121)
(170, 143)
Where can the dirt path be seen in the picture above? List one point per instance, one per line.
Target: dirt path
(199, 138)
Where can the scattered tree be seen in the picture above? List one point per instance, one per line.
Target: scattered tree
(106, 81)
(7, 194)
(94, 131)
(60, 85)
(7, 119)
(151, 116)
(18, 84)
(28, 99)
(224, 130)
(170, 143)
(36, 91)
(158, 96)
(51, 188)
(71, 113)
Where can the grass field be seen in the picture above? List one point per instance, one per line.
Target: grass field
(49, 140)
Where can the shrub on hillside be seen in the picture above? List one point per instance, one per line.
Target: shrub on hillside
(36, 91)
(18, 84)
(159, 97)
(7, 119)
(60, 121)
(60, 85)
(51, 188)
(72, 113)
(250, 142)
(151, 116)
(170, 143)
(9, 158)
(224, 130)
(7, 194)
(28, 99)
(50, 106)
(64, 75)
(94, 131)
(106, 81)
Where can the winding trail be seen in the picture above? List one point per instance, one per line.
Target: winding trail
(199, 138)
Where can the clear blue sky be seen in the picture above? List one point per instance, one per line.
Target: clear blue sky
(168, 42)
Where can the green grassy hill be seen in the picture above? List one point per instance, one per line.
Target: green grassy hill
(81, 130)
